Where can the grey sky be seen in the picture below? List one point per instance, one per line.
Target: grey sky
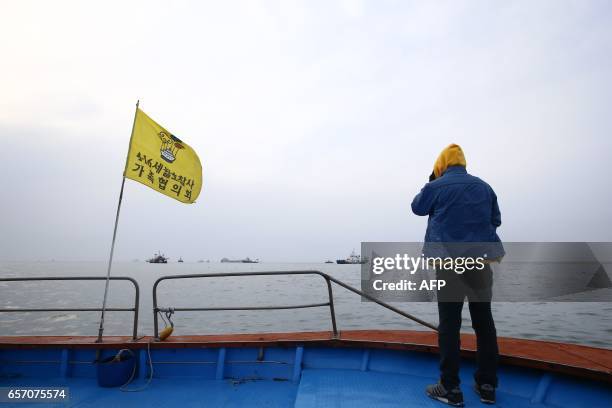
(316, 122)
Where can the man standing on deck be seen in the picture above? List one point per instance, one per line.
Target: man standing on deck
(461, 208)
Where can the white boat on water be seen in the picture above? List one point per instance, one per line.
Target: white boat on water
(353, 258)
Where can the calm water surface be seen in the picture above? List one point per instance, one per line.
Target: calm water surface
(583, 323)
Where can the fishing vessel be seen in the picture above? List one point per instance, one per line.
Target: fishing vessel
(333, 368)
(245, 260)
(227, 260)
(353, 258)
(158, 258)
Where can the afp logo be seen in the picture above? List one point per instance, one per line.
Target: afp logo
(170, 147)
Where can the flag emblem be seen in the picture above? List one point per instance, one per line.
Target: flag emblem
(170, 146)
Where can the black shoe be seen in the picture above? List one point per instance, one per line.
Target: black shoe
(452, 397)
(486, 393)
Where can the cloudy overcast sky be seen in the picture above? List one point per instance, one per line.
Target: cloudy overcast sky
(316, 122)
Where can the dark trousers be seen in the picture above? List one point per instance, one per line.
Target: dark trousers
(478, 292)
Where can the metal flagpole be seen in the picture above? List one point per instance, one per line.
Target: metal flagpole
(112, 250)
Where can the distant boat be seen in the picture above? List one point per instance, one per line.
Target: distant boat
(245, 260)
(352, 259)
(180, 260)
(329, 261)
(158, 258)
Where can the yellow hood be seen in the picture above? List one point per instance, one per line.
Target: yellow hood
(452, 155)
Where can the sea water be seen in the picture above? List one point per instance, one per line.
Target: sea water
(588, 323)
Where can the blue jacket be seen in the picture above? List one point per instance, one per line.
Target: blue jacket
(461, 208)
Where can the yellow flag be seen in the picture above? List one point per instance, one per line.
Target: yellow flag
(160, 160)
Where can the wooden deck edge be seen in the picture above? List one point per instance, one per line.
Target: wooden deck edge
(570, 359)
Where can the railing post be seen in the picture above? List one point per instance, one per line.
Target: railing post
(155, 330)
(331, 306)
(297, 363)
(136, 309)
(155, 322)
(220, 369)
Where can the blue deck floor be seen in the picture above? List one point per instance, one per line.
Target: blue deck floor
(318, 388)
(312, 378)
